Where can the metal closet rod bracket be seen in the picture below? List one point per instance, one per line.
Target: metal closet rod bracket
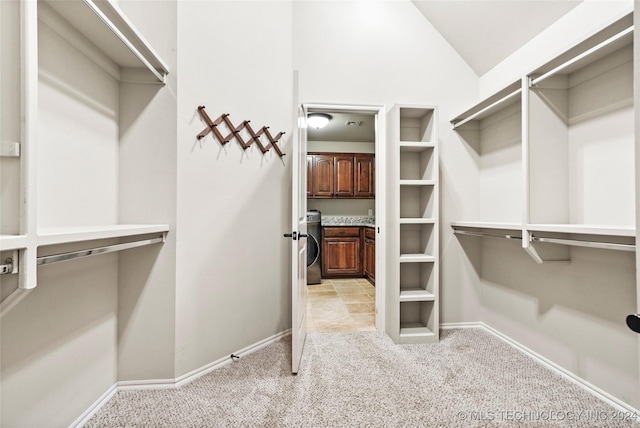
(10, 265)
(235, 132)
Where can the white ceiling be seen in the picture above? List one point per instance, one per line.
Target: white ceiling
(484, 32)
(346, 127)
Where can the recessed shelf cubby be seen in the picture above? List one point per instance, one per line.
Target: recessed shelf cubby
(417, 281)
(417, 124)
(417, 201)
(417, 321)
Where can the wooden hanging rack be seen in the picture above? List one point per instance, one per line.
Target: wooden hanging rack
(254, 137)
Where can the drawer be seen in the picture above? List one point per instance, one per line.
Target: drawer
(369, 232)
(341, 231)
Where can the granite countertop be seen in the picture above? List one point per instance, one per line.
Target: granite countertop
(348, 220)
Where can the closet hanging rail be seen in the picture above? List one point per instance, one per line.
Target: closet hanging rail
(56, 258)
(585, 54)
(485, 234)
(590, 244)
(111, 26)
(487, 108)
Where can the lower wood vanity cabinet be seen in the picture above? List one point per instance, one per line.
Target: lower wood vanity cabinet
(348, 251)
(369, 258)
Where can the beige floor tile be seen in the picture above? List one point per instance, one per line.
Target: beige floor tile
(342, 326)
(341, 305)
(319, 295)
(339, 282)
(346, 291)
(361, 308)
(319, 287)
(356, 298)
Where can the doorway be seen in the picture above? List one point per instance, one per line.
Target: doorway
(346, 190)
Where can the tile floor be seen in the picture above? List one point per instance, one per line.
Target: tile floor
(341, 305)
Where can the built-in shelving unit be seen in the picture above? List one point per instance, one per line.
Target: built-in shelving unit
(415, 298)
(555, 151)
(73, 57)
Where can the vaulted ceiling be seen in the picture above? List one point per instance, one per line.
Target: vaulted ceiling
(484, 32)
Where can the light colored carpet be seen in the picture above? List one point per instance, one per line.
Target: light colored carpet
(362, 379)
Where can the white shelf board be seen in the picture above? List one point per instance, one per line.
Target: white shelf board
(63, 235)
(407, 220)
(416, 295)
(104, 24)
(499, 100)
(486, 225)
(417, 182)
(416, 258)
(415, 146)
(12, 242)
(414, 330)
(583, 229)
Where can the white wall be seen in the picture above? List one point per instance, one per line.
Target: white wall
(147, 193)
(233, 270)
(571, 313)
(383, 53)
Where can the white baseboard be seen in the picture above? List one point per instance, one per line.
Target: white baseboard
(193, 375)
(129, 385)
(83, 418)
(589, 387)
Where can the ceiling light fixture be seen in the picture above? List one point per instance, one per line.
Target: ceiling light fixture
(318, 120)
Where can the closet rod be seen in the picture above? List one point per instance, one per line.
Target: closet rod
(114, 29)
(55, 258)
(487, 108)
(590, 244)
(584, 54)
(484, 234)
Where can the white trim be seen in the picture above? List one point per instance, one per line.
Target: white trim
(193, 375)
(129, 385)
(97, 405)
(587, 386)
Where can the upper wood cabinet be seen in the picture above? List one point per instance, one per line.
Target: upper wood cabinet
(340, 175)
(364, 178)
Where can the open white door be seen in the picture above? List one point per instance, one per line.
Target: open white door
(299, 241)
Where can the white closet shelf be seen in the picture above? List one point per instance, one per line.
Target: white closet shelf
(12, 242)
(417, 182)
(482, 225)
(414, 330)
(416, 295)
(416, 258)
(418, 220)
(105, 25)
(415, 146)
(587, 52)
(583, 229)
(63, 235)
(501, 99)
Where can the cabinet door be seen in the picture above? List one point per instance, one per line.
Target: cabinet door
(310, 179)
(364, 179)
(370, 259)
(341, 256)
(343, 176)
(322, 176)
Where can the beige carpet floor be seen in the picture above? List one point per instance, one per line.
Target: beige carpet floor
(362, 379)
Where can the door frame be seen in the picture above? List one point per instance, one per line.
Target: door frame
(379, 112)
